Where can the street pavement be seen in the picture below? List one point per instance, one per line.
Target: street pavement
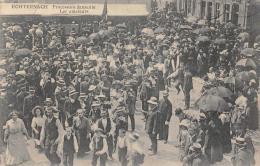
(167, 153)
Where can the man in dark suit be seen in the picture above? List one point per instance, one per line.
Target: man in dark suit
(165, 108)
(152, 123)
(187, 86)
(20, 99)
(82, 129)
(29, 103)
(105, 124)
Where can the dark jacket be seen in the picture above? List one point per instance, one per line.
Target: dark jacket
(29, 103)
(187, 84)
(108, 127)
(152, 123)
(165, 108)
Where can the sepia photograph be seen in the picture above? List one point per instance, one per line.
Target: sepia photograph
(129, 82)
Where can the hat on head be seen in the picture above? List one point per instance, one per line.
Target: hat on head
(134, 136)
(185, 123)
(240, 141)
(95, 104)
(196, 146)
(77, 72)
(48, 100)
(101, 96)
(37, 108)
(61, 82)
(165, 93)
(81, 95)
(104, 112)
(31, 89)
(99, 131)
(153, 100)
(73, 92)
(252, 82)
(91, 88)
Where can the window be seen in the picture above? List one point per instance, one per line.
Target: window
(226, 12)
(193, 7)
(209, 14)
(203, 9)
(189, 6)
(235, 13)
(217, 10)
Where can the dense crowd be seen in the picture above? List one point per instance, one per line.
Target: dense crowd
(89, 81)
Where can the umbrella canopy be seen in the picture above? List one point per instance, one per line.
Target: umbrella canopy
(246, 76)
(203, 39)
(249, 52)
(21, 53)
(234, 81)
(81, 40)
(159, 30)
(220, 91)
(185, 27)
(203, 30)
(220, 41)
(148, 32)
(209, 103)
(244, 36)
(247, 62)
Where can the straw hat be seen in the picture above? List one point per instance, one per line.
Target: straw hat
(240, 141)
(153, 100)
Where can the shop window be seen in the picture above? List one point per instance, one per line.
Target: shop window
(226, 12)
(235, 13)
(209, 14)
(217, 10)
(203, 9)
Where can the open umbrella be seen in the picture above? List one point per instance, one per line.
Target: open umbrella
(209, 103)
(249, 52)
(220, 41)
(233, 82)
(221, 92)
(159, 30)
(244, 36)
(247, 62)
(246, 76)
(148, 32)
(185, 27)
(203, 39)
(81, 40)
(23, 52)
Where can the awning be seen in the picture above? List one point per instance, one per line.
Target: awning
(127, 10)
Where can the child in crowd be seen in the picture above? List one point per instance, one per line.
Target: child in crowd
(70, 147)
(122, 147)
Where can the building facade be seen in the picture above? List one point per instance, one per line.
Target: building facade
(213, 10)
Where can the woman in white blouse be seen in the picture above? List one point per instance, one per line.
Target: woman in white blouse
(37, 123)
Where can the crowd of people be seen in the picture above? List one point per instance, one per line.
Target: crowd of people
(89, 82)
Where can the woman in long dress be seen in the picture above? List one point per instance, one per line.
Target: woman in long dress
(16, 151)
(37, 123)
